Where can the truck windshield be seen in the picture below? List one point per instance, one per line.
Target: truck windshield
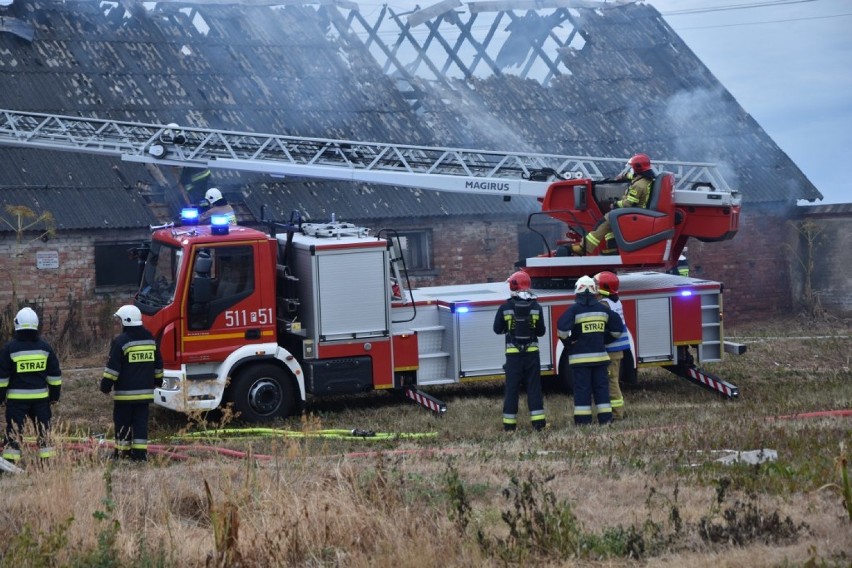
(159, 278)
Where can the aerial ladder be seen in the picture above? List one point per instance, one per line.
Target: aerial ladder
(690, 199)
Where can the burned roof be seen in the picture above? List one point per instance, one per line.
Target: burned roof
(562, 76)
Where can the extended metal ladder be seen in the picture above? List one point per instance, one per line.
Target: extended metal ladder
(443, 169)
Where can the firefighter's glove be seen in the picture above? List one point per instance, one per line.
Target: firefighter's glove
(106, 386)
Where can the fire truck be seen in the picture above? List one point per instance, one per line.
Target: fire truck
(263, 319)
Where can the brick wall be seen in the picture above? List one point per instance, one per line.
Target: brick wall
(754, 266)
(64, 296)
(757, 267)
(831, 277)
(465, 251)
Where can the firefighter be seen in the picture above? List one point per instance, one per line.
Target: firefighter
(607, 283)
(133, 370)
(30, 381)
(641, 176)
(218, 206)
(520, 319)
(193, 183)
(585, 328)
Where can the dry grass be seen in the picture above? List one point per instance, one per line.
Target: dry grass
(647, 490)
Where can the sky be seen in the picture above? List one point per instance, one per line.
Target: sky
(789, 64)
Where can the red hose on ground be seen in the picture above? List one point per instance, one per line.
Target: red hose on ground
(819, 414)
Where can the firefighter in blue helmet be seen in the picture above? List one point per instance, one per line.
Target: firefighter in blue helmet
(585, 328)
(132, 371)
(30, 381)
(520, 319)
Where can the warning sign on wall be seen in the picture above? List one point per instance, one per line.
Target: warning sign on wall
(48, 259)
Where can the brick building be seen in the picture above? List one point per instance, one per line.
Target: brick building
(606, 80)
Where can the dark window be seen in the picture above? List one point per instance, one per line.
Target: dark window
(114, 266)
(221, 277)
(417, 249)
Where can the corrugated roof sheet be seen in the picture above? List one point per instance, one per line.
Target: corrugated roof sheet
(634, 86)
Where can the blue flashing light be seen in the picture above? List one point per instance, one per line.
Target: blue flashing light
(686, 292)
(189, 216)
(462, 309)
(219, 224)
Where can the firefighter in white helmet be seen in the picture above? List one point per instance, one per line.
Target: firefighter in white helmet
(585, 328)
(133, 370)
(30, 381)
(218, 206)
(520, 319)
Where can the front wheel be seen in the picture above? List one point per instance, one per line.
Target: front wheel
(262, 393)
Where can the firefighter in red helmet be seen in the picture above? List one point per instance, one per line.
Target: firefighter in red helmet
(638, 170)
(608, 290)
(520, 319)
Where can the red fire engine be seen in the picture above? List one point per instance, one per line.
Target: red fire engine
(262, 319)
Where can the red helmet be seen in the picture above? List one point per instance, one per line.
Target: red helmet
(607, 283)
(640, 163)
(519, 281)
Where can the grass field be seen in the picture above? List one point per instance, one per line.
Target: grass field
(455, 490)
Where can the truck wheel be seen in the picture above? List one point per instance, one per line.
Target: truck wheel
(262, 393)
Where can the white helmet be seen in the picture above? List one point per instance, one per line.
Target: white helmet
(213, 195)
(585, 285)
(26, 318)
(129, 315)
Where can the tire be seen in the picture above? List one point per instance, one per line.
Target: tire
(261, 393)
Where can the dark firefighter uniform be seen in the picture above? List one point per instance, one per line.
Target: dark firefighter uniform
(133, 370)
(195, 182)
(521, 321)
(30, 379)
(585, 328)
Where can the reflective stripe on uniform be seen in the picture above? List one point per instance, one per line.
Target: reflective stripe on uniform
(11, 454)
(30, 361)
(582, 411)
(580, 358)
(27, 394)
(144, 394)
